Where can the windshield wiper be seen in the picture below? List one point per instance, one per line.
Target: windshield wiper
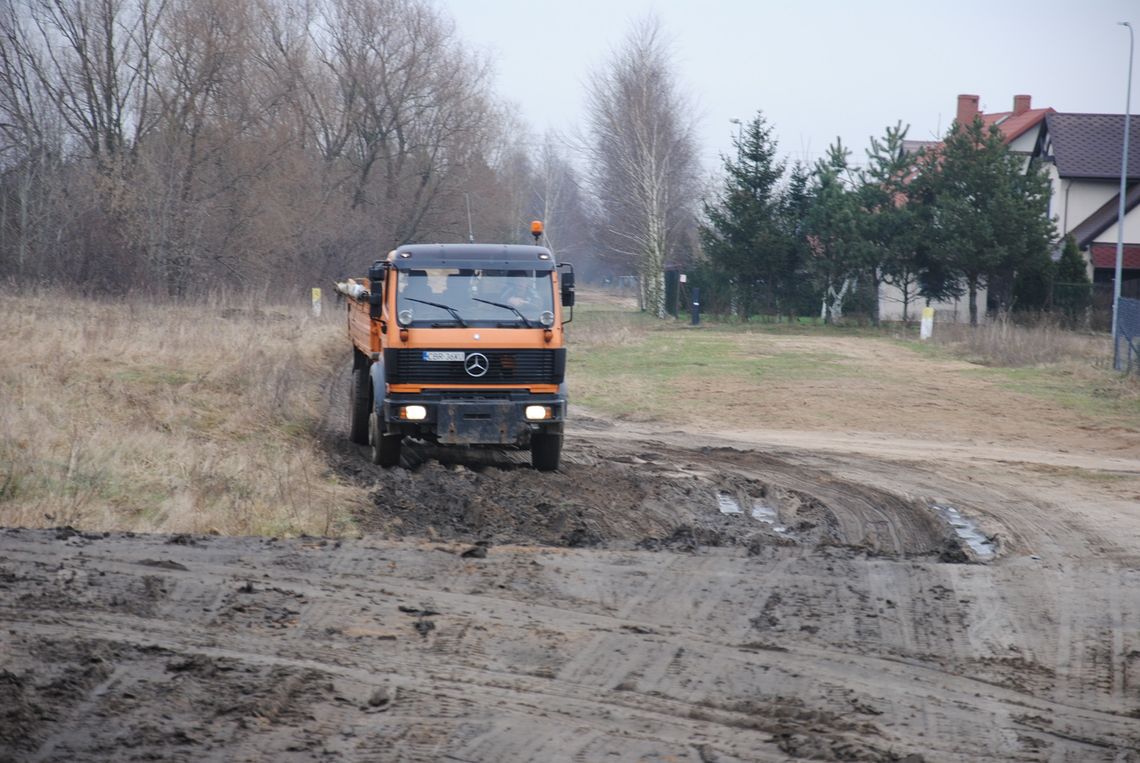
(505, 306)
(448, 308)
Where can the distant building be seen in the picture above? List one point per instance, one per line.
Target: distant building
(1082, 152)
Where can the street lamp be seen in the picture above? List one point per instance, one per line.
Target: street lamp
(1120, 212)
(739, 137)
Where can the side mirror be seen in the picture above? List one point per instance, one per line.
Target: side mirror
(566, 279)
(376, 275)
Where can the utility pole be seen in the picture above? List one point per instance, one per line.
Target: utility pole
(1120, 212)
(470, 227)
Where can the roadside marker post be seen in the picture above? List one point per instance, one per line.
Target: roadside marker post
(926, 328)
(316, 302)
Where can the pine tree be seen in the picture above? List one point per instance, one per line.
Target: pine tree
(985, 215)
(886, 220)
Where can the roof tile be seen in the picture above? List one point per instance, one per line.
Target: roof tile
(1104, 256)
(1013, 125)
(1089, 145)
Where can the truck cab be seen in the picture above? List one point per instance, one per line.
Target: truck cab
(462, 345)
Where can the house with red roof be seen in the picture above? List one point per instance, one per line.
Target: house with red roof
(1022, 127)
(1024, 130)
(1082, 153)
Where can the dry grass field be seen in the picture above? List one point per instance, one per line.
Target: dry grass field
(1002, 342)
(139, 416)
(999, 382)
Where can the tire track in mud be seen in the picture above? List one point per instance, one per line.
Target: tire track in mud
(614, 610)
(1086, 613)
(645, 651)
(963, 634)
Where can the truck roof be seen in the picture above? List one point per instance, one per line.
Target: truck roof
(508, 256)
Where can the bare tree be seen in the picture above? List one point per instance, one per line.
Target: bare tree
(643, 160)
(500, 184)
(94, 61)
(202, 113)
(177, 143)
(410, 106)
(30, 148)
(559, 200)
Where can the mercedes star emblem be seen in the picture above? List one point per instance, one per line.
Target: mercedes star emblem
(476, 364)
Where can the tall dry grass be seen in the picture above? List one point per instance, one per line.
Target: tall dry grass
(150, 417)
(1003, 342)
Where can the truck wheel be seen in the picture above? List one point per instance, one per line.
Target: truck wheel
(545, 451)
(361, 395)
(385, 447)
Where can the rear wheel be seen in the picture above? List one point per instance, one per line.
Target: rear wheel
(545, 451)
(385, 447)
(361, 395)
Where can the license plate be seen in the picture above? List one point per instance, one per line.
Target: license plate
(439, 355)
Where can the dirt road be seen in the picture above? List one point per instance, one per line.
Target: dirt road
(669, 595)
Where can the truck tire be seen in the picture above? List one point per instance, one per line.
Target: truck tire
(361, 398)
(545, 451)
(385, 447)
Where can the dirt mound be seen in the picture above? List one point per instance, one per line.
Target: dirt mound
(645, 493)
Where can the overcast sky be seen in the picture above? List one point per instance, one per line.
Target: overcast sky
(817, 69)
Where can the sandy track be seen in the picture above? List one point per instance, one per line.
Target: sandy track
(611, 611)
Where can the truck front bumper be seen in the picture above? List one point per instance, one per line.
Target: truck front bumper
(450, 419)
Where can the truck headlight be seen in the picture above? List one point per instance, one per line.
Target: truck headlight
(413, 412)
(537, 412)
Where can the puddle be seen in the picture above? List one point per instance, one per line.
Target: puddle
(727, 504)
(760, 512)
(968, 531)
(768, 516)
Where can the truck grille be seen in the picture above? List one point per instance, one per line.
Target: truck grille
(504, 367)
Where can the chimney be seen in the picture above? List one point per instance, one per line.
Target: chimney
(967, 109)
(1021, 104)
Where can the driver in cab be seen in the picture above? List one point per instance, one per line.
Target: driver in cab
(519, 291)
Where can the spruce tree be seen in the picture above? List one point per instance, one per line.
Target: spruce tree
(1072, 268)
(1072, 293)
(742, 236)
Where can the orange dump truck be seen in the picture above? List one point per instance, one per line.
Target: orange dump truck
(460, 344)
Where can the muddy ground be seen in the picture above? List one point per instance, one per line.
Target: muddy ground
(669, 595)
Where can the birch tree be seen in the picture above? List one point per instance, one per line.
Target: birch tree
(831, 232)
(558, 200)
(643, 163)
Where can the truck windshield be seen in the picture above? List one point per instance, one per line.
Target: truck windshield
(480, 297)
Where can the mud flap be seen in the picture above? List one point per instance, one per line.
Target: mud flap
(379, 388)
(490, 423)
